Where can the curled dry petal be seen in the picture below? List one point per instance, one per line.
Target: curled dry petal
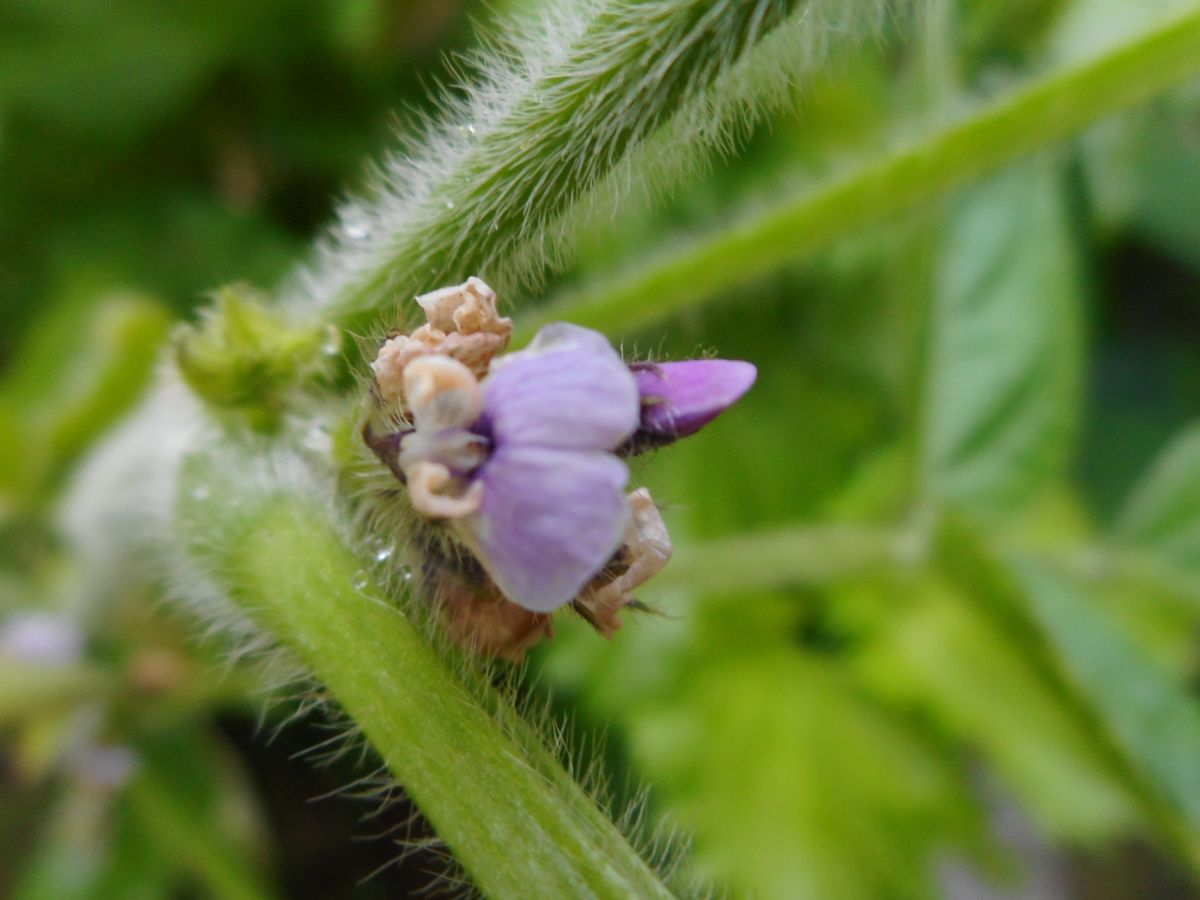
(466, 308)
(647, 544)
(475, 351)
(437, 494)
(389, 364)
(646, 551)
(461, 452)
(442, 393)
(680, 398)
(463, 325)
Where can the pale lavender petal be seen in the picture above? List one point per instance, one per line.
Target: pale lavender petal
(680, 398)
(569, 390)
(550, 520)
(41, 637)
(567, 336)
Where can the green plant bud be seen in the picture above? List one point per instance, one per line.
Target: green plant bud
(248, 359)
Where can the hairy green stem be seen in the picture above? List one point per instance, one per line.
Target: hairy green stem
(1039, 114)
(484, 191)
(509, 812)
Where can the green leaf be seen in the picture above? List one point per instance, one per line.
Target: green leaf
(796, 787)
(1003, 374)
(1162, 515)
(189, 794)
(1150, 718)
(944, 657)
(1087, 27)
(87, 361)
(1143, 175)
(83, 854)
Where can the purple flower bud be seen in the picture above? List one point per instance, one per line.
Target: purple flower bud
(680, 398)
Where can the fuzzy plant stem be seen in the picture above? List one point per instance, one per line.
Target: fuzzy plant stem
(480, 191)
(1042, 113)
(510, 814)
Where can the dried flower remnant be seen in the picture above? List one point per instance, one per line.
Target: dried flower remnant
(463, 325)
(514, 464)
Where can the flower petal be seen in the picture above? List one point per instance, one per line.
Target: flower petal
(680, 398)
(550, 520)
(569, 389)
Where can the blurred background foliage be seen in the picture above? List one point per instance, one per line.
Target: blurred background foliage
(932, 629)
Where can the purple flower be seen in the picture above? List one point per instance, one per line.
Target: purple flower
(522, 462)
(680, 398)
(524, 465)
(554, 507)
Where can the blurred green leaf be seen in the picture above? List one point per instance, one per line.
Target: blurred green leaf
(82, 841)
(1009, 30)
(138, 866)
(1150, 718)
(1087, 27)
(1141, 167)
(1157, 606)
(1005, 357)
(943, 658)
(1162, 514)
(826, 368)
(793, 783)
(15, 451)
(796, 787)
(89, 361)
(189, 794)
(29, 690)
(1142, 171)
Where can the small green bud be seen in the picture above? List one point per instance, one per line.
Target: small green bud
(247, 358)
